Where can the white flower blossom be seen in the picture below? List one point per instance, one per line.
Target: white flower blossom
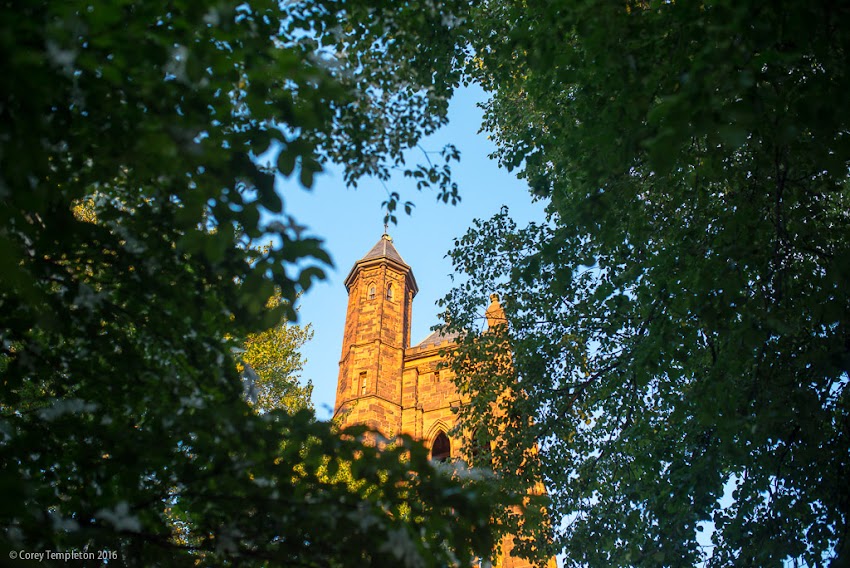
(403, 548)
(66, 406)
(212, 17)
(87, 298)
(60, 523)
(450, 21)
(121, 518)
(62, 58)
(194, 401)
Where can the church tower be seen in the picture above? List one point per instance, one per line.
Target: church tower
(391, 386)
(380, 288)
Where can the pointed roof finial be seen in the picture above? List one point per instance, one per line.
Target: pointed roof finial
(495, 313)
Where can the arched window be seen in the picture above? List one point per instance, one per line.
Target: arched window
(441, 450)
(389, 291)
(371, 291)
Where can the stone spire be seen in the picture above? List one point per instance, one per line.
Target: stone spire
(495, 313)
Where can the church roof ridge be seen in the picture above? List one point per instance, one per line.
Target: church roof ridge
(436, 338)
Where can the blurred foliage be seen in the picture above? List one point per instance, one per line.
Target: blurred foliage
(680, 325)
(143, 152)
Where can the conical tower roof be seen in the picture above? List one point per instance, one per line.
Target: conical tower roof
(383, 251)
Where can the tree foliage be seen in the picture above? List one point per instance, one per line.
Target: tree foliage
(174, 126)
(680, 324)
(276, 363)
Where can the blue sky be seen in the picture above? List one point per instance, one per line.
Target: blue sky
(351, 222)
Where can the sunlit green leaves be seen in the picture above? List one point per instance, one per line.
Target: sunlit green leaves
(275, 357)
